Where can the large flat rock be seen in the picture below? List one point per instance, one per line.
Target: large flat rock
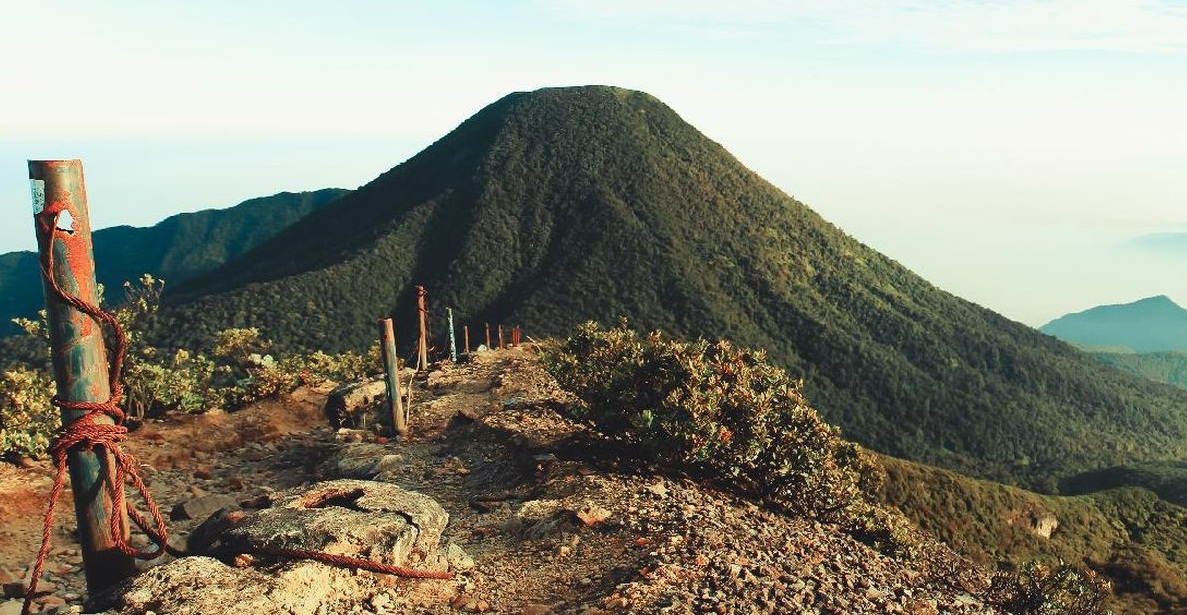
(356, 518)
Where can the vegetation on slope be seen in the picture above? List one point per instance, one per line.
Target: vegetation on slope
(558, 206)
(234, 371)
(1129, 534)
(175, 249)
(724, 413)
(1165, 367)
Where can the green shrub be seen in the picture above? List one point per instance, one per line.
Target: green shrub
(1037, 589)
(27, 420)
(711, 408)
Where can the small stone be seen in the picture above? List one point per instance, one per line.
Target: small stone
(15, 589)
(482, 606)
(658, 489)
(536, 609)
(381, 601)
(592, 514)
(50, 602)
(203, 474)
(11, 607)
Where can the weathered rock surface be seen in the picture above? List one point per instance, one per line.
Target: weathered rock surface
(204, 585)
(372, 520)
(348, 404)
(202, 507)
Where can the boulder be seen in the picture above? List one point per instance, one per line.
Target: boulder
(355, 518)
(203, 585)
(347, 405)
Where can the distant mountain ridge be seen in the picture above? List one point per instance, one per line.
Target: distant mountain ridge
(175, 249)
(551, 207)
(1153, 324)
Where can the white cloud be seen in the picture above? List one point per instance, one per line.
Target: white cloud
(995, 26)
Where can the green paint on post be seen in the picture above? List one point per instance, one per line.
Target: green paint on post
(79, 360)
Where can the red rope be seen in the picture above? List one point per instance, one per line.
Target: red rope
(86, 434)
(354, 562)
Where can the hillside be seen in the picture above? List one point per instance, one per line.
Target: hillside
(547, 527)
(1130, 534)
(1165, 367)
(1153, 324)
(551, 207)
(175, 249)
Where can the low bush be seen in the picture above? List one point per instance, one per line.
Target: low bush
(715, 409)
(1038, 589)
(27, 420)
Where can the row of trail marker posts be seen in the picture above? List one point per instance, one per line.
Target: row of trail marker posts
(387, 344)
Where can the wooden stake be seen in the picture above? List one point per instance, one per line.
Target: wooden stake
(391, 373)
(488, 346)
(80, 361)
(501, 337)
(452, 341)
(466, 335)
(422, 344)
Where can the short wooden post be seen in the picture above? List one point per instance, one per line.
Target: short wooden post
(452, 341)
(391, 373)
(488, 346)
(422, 344)
(501, 337)
(79, 360)
(466, 335)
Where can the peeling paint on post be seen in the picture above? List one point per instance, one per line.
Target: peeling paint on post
(452, 341)
(79, 360)
(501, 337)
(391, 373)
(422, 344)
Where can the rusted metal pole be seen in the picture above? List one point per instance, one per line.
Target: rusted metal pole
(488, 346)
(452, 341)
(79, 360)
(422, 344)
(466, 335)
(500, 337)
(391, 373)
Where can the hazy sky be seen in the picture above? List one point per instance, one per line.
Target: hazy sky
(1030, 156)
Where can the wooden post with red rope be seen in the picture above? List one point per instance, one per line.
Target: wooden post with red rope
(79, 354)
(391, 372)
(466, 335)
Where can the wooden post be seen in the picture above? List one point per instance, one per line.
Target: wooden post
(488, 346)
(501, 337)
(422, 344)
(452, 341)
(466, 335)
(391, 373)
(79, 360)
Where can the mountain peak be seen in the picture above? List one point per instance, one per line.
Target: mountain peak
(1152, 324)
(549, 208)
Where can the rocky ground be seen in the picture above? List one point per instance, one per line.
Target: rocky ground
(552, 522)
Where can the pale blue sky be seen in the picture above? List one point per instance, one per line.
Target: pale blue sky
(1012, 152)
